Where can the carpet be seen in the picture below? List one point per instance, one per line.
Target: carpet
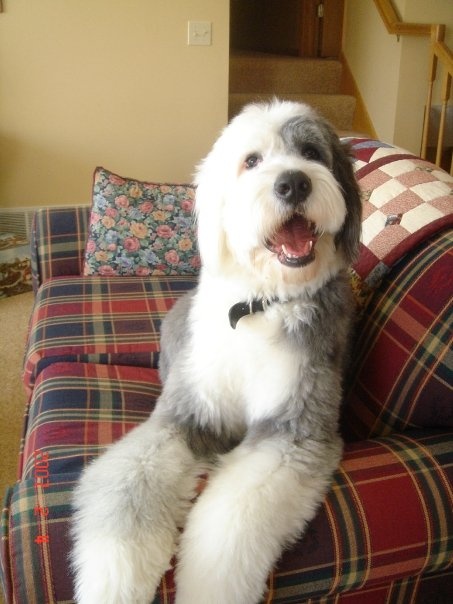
(14, 315)
(261, 76)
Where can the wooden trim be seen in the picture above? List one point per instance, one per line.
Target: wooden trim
(446, 90)
(331, 26)
(309, 29)
(444, 54)
(394, 24)
(362, 122)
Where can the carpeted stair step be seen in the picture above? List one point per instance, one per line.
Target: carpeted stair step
(337, 108)
(261, 72)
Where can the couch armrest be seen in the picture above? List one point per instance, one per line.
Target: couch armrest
(401, 360)
(58, 242)
(387, 518)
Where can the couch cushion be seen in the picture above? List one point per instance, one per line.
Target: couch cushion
(385, 519)
(77, 409)
(140, 228)
(100, 320)
(87, 405)
(57, 242)
(402, 360)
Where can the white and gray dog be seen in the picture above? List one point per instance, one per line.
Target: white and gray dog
(251, 365)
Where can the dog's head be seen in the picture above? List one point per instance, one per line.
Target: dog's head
(277, 198)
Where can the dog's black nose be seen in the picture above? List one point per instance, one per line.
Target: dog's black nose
(292, 186)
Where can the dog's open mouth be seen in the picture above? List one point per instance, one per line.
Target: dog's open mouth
(294, 242)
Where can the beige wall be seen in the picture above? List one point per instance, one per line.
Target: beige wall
(106, 82)
(373, 57)
(392, 75)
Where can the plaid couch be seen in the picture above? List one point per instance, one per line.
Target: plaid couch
(385, 531)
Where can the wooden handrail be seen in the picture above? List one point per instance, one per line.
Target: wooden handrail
(394, 24)
(440, 56)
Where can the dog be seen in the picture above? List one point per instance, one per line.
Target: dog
(251, 364)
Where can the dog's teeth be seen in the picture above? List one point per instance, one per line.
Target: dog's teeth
(287, 254)
(285, 251)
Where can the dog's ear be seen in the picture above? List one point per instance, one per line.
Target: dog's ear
(349, 236)
(208, 209)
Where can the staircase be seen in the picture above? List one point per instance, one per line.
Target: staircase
(258, 76)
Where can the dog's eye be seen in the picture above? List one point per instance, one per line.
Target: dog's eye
(251, 161)
(311, 153)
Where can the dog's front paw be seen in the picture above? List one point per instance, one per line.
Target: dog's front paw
(113, 571)
(127, 506)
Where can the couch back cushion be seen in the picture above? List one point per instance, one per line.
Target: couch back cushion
(402, 360)
(57, 242)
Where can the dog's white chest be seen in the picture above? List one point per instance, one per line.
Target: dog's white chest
(246, 374)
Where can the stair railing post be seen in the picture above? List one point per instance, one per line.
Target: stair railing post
(437, 33)
(446, 89)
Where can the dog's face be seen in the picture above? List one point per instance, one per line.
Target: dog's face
(277, 198)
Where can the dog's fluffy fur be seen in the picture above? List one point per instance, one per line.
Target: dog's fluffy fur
(278, 214)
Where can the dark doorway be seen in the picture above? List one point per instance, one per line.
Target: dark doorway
(305, 28)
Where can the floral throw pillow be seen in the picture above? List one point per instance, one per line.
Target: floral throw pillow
(140, 228)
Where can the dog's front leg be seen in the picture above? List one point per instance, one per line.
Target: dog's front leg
(259, 500)
(129, 504)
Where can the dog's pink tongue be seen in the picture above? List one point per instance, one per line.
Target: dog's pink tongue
(296, 236)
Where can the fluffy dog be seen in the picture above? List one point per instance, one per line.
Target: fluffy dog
(251, 365)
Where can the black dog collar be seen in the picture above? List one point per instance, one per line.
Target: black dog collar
(242, 309)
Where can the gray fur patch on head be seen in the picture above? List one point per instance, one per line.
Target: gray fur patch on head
(306, 135)
(349, 236)
(315, 139)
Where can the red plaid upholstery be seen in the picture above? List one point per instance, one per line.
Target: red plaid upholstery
(383, 521)
(57, 242)
(99, 320)
(403, 365)
(384, 534)
(87, 406)
(76, 410)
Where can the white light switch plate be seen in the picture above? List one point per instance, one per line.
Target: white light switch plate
(199, 33)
